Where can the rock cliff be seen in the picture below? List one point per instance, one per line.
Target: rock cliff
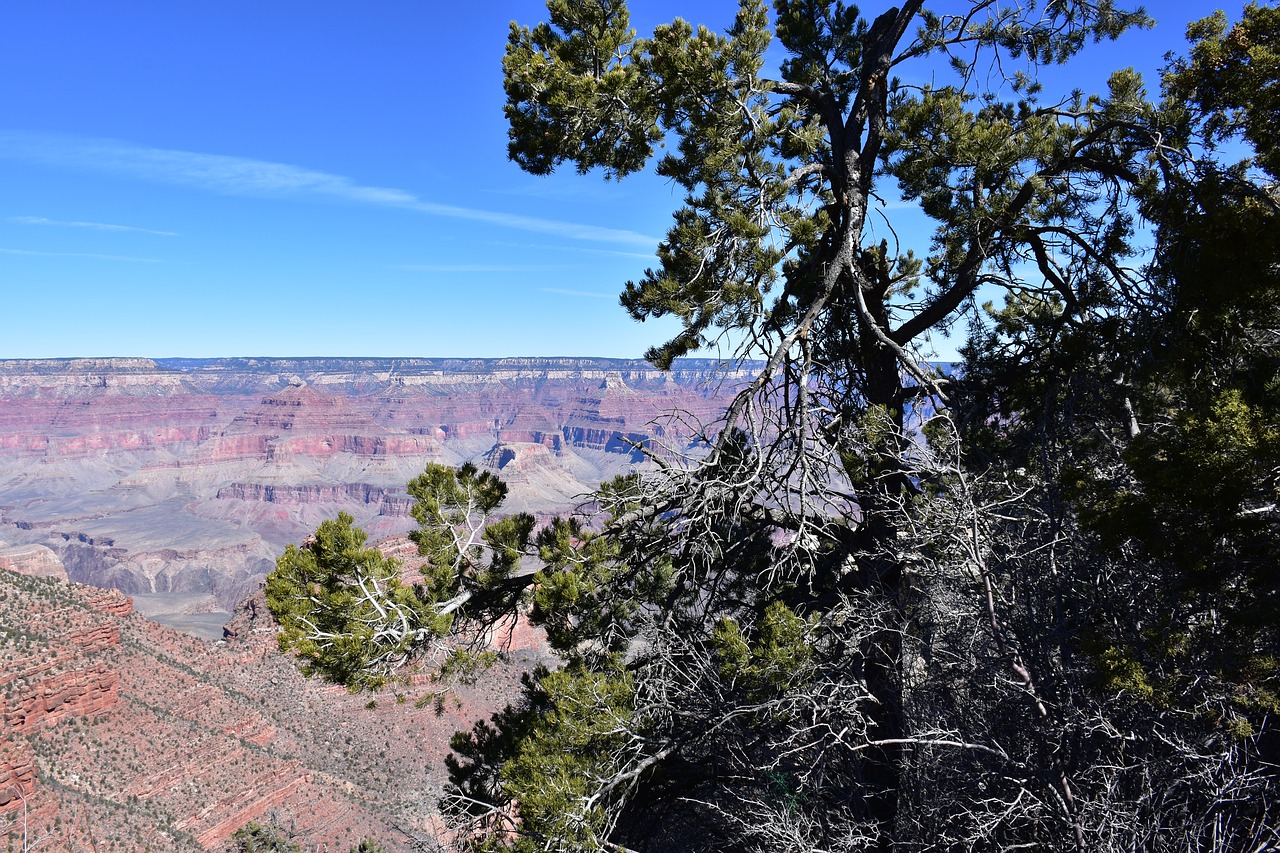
(189, 476)
(34, 560)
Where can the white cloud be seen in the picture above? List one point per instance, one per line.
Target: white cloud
(648, 256)
(92, 255)
(244, 176)
(555, 227)
(473, 267)
(97, 226)
(582, 293)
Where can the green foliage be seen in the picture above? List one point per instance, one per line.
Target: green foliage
(452, 510)
(1119, 673)
(578, 595)
(343, 610)
(532, 767)
(1153, 423)
(569, 83)
(581, 736)
(346, 611)
(1203, 487)
(1230, 80)
(256, 837)
(780, 656)
(368, 845)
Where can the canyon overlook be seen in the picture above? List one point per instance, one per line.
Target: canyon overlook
(180, 480)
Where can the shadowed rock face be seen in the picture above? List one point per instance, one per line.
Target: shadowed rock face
(189, 476)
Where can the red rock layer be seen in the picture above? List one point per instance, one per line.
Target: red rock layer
(17, 774)
(45, 701)
(118, 732)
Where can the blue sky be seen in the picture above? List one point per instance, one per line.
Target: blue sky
(318, 178)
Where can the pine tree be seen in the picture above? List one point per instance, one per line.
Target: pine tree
(256, 837)
(799, 512)
(1149, 440)
(845, 619)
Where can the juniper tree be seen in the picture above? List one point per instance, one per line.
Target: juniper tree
(1149, 439)
(821, 627)
(1167, 403)
(783, 252)
(256, 837)
(348, 612)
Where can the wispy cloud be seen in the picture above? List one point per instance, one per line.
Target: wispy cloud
(244, 176)
(554, 227)
(92, 255)
(583, 293)
(540, 189)
(590, 250)
(97, 226)
(473, 267)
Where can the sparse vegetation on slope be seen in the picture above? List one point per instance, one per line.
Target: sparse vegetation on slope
(118, 730)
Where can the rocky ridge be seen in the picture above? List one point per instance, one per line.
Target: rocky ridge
(119, 733)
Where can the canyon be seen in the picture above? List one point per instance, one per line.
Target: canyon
(136, 492)
(179, 481)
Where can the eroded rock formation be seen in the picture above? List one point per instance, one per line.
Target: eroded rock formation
(36, 561)
(190, 476)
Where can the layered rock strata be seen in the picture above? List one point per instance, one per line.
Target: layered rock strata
(36, 561)
(190, 476)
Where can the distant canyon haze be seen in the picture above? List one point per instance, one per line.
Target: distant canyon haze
(179, 481)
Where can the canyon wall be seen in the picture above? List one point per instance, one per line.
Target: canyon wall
(190, 475)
